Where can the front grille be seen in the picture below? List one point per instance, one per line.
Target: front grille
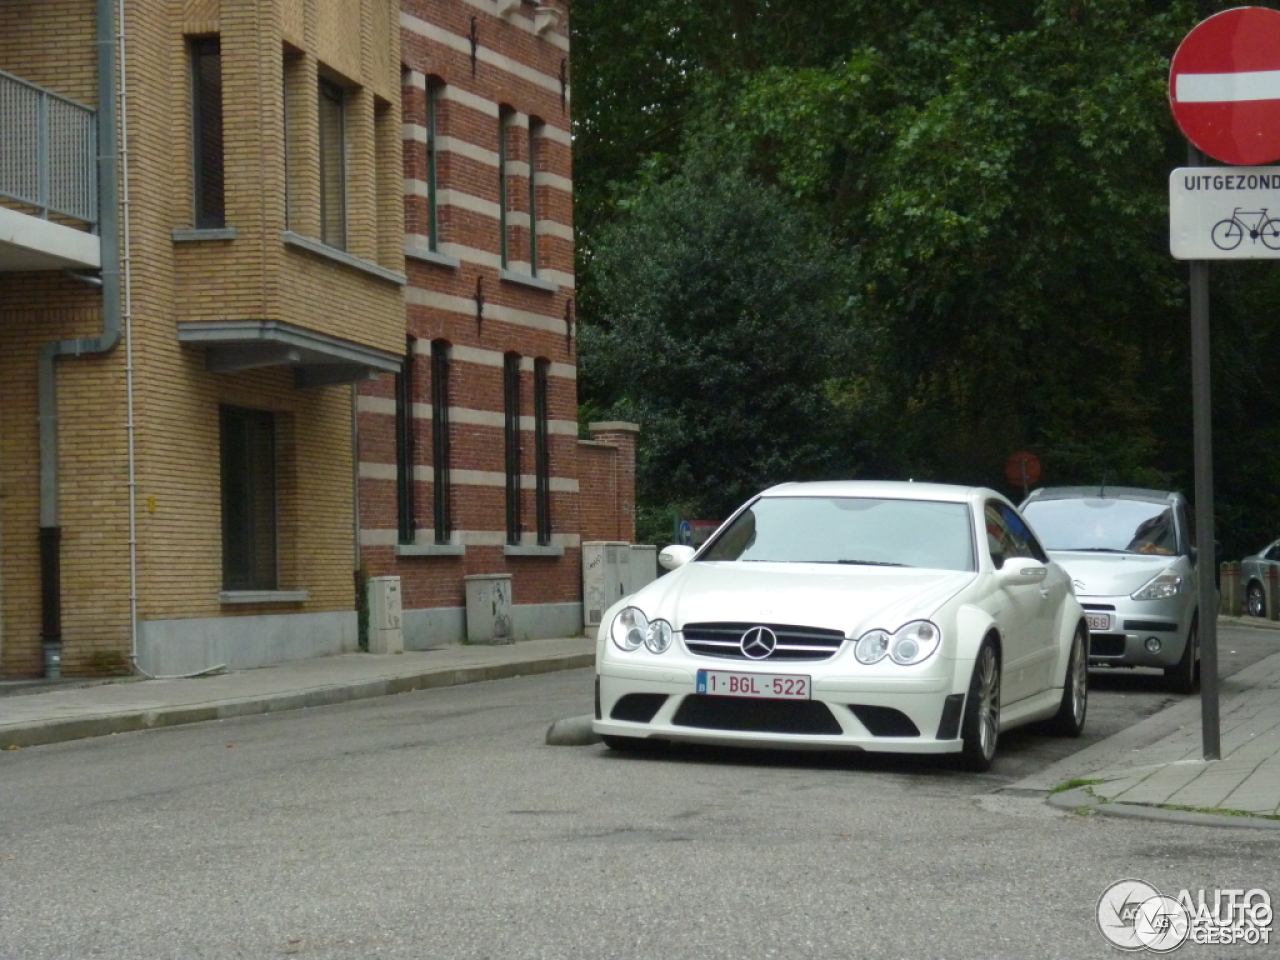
(756, 716)
(1106, 645)
(1098, 606)
(637, 707)
(884, 721)
(724, 640)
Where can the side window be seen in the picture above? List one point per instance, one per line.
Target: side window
(1007, 534)
(1273, 553)
(1023, 535)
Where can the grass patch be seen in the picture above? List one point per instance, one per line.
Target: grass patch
(1073, 784)
(1219, 811)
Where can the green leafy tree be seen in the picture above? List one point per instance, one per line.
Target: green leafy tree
(720, 323)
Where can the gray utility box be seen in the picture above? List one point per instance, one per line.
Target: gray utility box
(644, 566)
(606, 577)
(489, 608)
(386, 625)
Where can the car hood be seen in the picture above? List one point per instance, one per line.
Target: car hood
(848, 598)
(1111, 574)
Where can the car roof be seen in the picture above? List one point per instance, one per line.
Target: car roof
(1101, 492)
(881, 489)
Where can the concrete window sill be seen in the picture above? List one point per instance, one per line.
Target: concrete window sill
(527, 280)
(341, 256)
(431, 550)
(532, 550)
(263, 596)
(209, 233)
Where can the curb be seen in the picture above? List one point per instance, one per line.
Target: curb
(1079, 798)
(84, 728)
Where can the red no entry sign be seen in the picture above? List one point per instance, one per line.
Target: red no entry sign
(1224, 86)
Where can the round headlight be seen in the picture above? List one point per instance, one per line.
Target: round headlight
(872, 647)
(629, 628)
(914, 642)
(658, 637)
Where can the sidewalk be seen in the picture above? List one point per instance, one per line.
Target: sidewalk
(34, 713)
(1156, 770)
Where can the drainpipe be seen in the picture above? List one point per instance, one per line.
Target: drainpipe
(109, 232)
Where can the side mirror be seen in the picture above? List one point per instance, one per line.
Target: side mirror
(1020, 571)
(676, 555)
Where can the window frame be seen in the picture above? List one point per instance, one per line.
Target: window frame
(506, 117)
(542, 448)
(535, 134)
(434, 89)
(511, 437)
(406, 448)
(333, 93)
(205, 141)
(242, 566)
(441, 454)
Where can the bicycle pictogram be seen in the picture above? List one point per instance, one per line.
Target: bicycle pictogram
(1228, 234)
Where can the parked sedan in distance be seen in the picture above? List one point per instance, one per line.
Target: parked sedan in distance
(1132, 558)
(1253, 576)
(879, 616)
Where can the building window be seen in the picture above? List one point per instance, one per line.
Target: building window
(542, 448)
(248, 499)
(333, 165)
(505, 117)
(440, 438)
(406, 515)
(535, 134)
(511, 395)
(435, 89)
(206, 127)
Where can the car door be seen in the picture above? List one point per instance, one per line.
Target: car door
(1025, 612)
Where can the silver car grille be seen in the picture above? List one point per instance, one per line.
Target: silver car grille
(724, 640)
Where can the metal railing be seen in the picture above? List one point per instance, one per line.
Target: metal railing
(48, 151)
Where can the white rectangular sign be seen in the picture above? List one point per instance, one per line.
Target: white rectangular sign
(1224, 213)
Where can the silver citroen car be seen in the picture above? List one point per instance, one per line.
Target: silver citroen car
(1131, 556)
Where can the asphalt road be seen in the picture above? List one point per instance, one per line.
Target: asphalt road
(438, 825)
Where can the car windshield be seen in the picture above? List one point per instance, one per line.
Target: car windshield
(1104, 525)
(850, 530)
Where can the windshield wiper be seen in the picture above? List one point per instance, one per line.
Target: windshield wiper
(865, 563)
(1093, 549)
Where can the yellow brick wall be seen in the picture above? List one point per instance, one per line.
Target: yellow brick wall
(253, 277)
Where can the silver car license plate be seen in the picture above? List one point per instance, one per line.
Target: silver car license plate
(1099, 622)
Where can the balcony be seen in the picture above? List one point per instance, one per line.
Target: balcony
(48, 180)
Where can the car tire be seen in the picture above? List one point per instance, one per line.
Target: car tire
(1069, 721)
(980, 726)
(1256, 600)
(1184, 676)
(631, 744)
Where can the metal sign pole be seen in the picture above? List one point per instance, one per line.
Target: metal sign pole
(1206, 561)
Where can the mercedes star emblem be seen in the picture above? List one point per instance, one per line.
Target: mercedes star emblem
(758, 643)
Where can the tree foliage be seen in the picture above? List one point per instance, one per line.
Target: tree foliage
(993, 176)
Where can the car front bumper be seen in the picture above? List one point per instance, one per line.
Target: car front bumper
(1132, 623)
(883, 714)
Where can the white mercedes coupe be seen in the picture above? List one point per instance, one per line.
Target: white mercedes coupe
(888, 616)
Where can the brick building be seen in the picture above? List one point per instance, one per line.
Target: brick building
(470, 462)
(203, 300)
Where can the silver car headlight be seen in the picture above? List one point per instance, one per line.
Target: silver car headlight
(657, 639)
(910, 643)
(1167, 584)
(628, 629)
(872, 647)
(631, 629)
(914, 642)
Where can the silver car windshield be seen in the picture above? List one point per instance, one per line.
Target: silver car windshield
(850, 530)
(1103, 525)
